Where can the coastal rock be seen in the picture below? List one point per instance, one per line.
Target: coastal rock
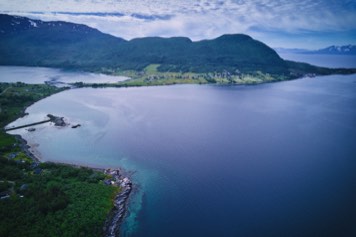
(112, 224)
(58, 121)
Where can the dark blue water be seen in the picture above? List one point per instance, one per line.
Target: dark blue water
(323, 60)
(276, 159)
(270, 160)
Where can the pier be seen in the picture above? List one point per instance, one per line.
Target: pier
(27, 125)
(58, 121)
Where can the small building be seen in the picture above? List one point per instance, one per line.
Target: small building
(37, 171)
(34, 165)
(12, 155)
(24, 187)
(5, 194)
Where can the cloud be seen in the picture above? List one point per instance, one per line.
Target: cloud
(197, 19)
(151, 17)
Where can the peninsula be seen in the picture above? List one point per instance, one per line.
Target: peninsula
(54, 199)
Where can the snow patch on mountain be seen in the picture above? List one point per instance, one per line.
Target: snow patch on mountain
(334, 49)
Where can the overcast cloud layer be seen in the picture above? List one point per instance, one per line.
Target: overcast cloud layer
(279, 23)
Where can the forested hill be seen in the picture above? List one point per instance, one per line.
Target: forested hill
(29, 42)
(25, 41)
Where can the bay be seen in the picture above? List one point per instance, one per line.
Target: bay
(58, 77)
(275, 159)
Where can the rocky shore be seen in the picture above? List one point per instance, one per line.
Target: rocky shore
(117, 178)
(114, 220)
(26, 148)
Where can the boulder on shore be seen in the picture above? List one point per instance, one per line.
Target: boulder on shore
(76, 126)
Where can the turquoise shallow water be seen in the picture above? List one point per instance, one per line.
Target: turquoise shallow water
(269, 160)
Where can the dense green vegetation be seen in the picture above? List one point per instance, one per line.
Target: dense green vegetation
(68, 45)
(45, 199)
(59, 201)
(151, 76)
(302, 68)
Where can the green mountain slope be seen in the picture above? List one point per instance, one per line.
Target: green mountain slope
(60, 44)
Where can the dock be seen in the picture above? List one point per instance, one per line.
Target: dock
(27, 125)
(58, 121)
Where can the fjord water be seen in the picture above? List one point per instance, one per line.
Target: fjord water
(269, 160)
(40, 75)
(322, 60)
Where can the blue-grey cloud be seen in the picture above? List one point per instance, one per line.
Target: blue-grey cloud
(151, 17)
(100, 14)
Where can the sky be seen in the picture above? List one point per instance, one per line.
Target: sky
(310, 24)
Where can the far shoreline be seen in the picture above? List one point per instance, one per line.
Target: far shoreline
(151, 76)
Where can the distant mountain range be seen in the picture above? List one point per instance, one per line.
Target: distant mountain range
(29, 42)
(338, 50)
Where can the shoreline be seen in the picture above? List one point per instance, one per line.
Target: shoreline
(146, 78)
(117, 215)
(120, 178)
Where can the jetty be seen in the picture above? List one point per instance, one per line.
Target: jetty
(27, 125)
(58, 121)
